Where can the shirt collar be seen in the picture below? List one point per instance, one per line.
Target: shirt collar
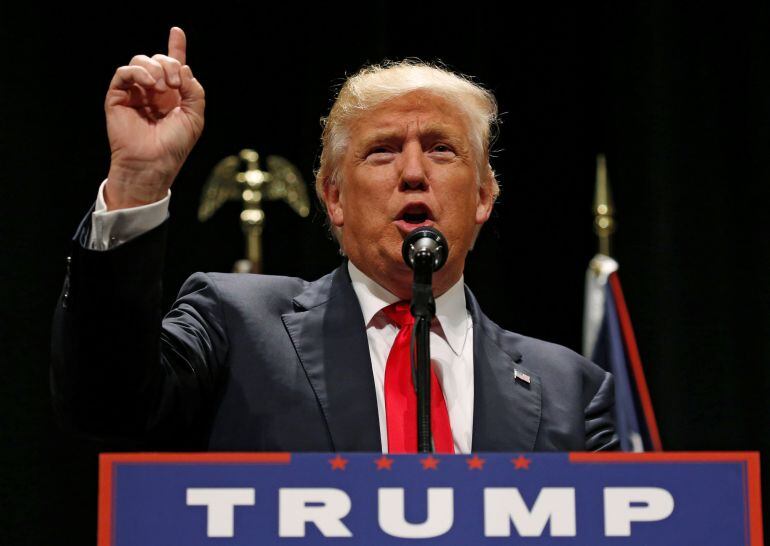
(451, 311)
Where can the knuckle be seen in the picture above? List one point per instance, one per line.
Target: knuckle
(168, 62)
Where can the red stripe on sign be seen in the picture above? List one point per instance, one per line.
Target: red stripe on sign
(755, 501)
(636, 362)
(224, 457)
(104, 522)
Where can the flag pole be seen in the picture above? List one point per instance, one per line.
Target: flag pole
(604, 221)
(603, 285)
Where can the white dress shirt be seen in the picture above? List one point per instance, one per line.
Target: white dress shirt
(110, 228)
(451, 351)
(451, 335)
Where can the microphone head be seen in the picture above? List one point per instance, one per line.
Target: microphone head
(425, 240)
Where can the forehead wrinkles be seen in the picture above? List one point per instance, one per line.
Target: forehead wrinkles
(424, 118)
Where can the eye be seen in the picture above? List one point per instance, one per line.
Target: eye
(443, 150)
(379, 154)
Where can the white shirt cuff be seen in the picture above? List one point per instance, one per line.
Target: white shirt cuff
(110, 228)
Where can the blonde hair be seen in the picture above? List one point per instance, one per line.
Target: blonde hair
(375, 84)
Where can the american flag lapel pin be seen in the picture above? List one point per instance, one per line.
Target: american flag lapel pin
(521, 376)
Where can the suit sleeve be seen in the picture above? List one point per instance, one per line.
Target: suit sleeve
(600, 422)
(120, 373)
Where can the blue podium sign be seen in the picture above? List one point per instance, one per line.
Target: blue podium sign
(194, 499)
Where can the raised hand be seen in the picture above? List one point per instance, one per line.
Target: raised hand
(154, 109)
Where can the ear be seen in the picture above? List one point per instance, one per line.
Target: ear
(488, 191)
(333, 201)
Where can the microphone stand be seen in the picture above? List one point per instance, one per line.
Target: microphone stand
(423, 309)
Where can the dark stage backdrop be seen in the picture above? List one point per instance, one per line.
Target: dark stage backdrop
(678, 99)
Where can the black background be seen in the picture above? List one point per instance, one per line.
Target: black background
(678, 98)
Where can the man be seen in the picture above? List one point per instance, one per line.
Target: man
(251, 362)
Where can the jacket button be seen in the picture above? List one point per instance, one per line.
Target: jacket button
(65, 299)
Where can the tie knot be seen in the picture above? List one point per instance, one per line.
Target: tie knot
(399, 313)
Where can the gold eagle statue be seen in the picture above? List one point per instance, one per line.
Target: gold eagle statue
(239, 178)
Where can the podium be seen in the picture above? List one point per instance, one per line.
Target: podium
(659, 499)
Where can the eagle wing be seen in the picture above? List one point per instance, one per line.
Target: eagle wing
(287, 184)
(220, 187)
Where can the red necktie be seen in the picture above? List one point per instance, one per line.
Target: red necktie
(400, 396)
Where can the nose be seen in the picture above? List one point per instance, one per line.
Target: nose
(413, 174)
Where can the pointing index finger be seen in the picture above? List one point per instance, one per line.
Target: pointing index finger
(177, 45)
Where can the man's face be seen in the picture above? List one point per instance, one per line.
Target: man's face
(409, 163)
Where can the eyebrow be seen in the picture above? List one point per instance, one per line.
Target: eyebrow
(381, 135)
(430, 130)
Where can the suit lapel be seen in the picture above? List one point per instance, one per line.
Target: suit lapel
(506, 411)
(329, 335)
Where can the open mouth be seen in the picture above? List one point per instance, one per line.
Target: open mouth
(416, 214)
(415, 217)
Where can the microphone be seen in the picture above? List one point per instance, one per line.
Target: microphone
(424, 250)
(425, 247)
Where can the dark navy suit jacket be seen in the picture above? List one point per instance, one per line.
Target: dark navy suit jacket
(265, 363)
